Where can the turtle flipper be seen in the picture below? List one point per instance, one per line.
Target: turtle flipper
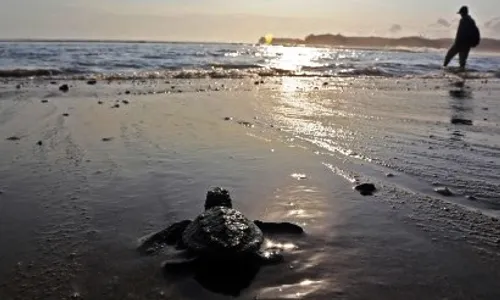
(283, 227)
(270, 256)
(172, 235)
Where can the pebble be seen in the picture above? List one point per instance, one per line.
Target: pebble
(125, 102)
(66, 115)
(389, 175)
(127, 92)
(91, 82)
(18, 86)
(100, 102)
(116, 106)
(13, 138)
(228, 118)
(44, 101)
(107, 139)
(39, 143)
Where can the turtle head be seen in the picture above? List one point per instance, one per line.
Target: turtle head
(218, 197)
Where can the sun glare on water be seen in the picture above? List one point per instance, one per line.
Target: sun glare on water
(295, 59)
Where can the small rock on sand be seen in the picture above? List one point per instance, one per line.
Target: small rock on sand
(228, 118)
(44, 101)
(389, 175)
(471, 198)
(116, 106)
(66, 115)
(92, 82)
(127, 92)
(100, 102)
(125, 102)
(107, 139)
(18, 86)
(64, 88)
(366, 189)
(325, 83)
(13, 138)
(444, 191)
(39, 143)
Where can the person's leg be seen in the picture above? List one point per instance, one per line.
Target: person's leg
(463, 55)
(449, 56)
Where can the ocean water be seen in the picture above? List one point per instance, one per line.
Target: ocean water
(191, 60)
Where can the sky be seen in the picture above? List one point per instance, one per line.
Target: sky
(237, 20)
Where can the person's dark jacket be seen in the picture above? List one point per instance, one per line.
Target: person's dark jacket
(467, 32)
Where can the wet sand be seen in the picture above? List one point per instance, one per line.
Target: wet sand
(73, 208)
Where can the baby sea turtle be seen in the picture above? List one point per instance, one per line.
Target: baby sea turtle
(221, 241)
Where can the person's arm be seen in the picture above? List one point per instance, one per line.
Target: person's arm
(461, 33)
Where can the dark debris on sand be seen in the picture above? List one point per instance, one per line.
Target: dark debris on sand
(246, 124)
(107, 139)
(64, 88)
(460, 94)
(366, 189)
(13, 138)
(92, 82)
(444, 191)
(461, 121)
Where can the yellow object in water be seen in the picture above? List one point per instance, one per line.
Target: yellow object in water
(268, 38)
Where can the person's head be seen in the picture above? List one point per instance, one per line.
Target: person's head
(464, 11)
(218, 197)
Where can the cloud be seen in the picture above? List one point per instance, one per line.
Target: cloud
(395, 28)
(443, 22)
(493, 23)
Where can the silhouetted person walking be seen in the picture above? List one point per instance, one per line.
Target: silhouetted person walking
(468, 37)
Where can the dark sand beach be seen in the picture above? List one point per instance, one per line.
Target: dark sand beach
(82, 179)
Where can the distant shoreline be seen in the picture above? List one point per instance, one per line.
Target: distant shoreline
(487, 44)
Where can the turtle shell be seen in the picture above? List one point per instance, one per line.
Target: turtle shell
(222, 232)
